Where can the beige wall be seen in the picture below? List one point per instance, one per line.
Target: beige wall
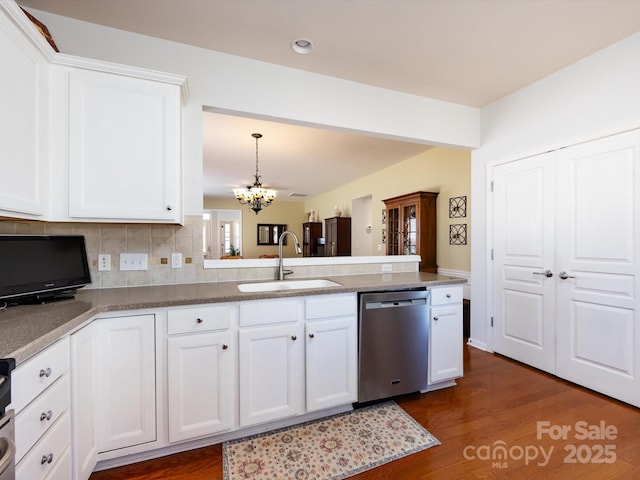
(443, 170)
(280, 212)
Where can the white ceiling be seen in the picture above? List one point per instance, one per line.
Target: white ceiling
(470, 52)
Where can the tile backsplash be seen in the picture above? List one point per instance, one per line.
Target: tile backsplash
(157, 241)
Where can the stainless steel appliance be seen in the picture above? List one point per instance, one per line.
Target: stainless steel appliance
(393, 343)
(7, 428)
(7, 447)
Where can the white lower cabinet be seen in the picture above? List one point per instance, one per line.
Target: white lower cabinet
(48, 459)
(83, 401)
(445, 335)
(125, 381)
(202, 376)
(331, 351)
(226, 367)
(271, 372)
(40, 394)
(271, 368)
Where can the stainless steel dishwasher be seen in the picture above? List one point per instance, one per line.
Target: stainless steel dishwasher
(393, 343)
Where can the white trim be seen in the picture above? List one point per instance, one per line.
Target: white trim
(310, 261)
(478, 344)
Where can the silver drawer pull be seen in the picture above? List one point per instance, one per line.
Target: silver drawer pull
(311, 335)
(448, 295)
(565, 275)
(46, 416)
(46, 459)
(45, 373)
(225, 346)
(198, 320)
(294, 338)
(435, 319)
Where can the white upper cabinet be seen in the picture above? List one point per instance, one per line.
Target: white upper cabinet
(124, 148)
(83, 140)
(21, 163)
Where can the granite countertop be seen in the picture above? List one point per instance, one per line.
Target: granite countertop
(27, 329)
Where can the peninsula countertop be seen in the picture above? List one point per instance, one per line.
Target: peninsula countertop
(27, 329)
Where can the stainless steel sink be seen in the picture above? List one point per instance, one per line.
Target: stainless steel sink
(282, 285)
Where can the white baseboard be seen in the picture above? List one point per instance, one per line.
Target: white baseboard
(476, 344)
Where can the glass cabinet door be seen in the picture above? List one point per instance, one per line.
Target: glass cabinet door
(410, 230)
(393, 231)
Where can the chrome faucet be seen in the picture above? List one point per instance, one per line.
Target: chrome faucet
(281, 271)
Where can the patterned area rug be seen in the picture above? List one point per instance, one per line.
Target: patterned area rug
(328, 449)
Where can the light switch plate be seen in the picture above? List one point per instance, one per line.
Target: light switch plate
(176, 260)
(133, 261)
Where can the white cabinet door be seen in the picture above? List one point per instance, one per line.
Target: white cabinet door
(445, 343)
(523, 245)
(598, 227)
(21, 131)
(331, 363)
(83, 401)
(124, 148)
(202, 384)
(126, 381)
(271, 372)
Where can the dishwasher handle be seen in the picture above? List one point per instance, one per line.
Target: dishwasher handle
(411, 302)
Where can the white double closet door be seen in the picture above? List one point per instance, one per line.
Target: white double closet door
(566, 238)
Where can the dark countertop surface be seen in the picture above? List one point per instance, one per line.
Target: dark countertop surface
(27, 329)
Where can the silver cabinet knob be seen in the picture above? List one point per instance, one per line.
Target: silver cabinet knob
(198, 320)
(435, 319)
(564, 275)
(46, 459)
(225, 346)
(46, 416)
(169, 208)
(45, 372)
(311, 335)
(294, 338)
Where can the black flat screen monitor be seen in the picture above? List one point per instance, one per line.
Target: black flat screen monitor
(41, 268)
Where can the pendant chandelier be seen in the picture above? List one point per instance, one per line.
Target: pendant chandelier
(254, 195)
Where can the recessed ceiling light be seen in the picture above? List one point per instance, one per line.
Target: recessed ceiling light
(302, 46)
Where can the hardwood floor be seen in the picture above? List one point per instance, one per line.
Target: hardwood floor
(498, 402)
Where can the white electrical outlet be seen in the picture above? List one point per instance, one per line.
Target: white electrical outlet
(104, 262)
(133, 261)
(386, 267)
(176, 260)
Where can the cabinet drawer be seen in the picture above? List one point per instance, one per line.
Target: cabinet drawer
(265, 312)
(325, 306)
(38, 373)
(200, 319)
(43, 459)
(40, 415)
(62, 468)
(445, 295)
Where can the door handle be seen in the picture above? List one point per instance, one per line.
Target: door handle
(564, 275)
(547, 273)
(9, 448)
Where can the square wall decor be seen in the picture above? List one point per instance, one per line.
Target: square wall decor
(458, 234)
(457, 207)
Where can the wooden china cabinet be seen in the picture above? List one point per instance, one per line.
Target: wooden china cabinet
(337, 231)
(311, 232)
(411, 227)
